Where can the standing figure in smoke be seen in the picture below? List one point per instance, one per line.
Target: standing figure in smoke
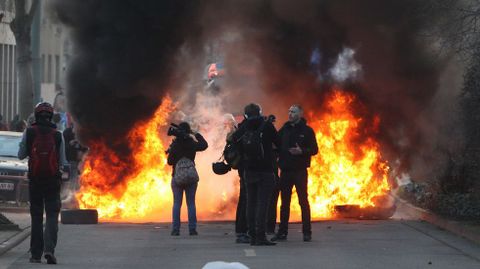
(257, 135)
(298, 145)
(45, 147)
(241, 224)
(185, 145)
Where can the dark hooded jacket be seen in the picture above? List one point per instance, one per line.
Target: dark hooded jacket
(291, 135)
(269, 137)
(185, 147)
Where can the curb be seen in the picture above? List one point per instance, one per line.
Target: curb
(14, 209)
(14, 241)
(449, 225)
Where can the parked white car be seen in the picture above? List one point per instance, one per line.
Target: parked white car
(13, 172)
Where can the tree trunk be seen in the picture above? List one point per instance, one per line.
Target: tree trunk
(21, 26)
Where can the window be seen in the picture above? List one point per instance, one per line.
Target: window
(49, 69)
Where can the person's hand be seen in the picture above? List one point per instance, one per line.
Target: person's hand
(192, 135)
(296, 150)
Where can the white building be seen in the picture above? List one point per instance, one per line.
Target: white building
(50, 51)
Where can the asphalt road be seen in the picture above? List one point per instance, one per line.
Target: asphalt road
(336, 244)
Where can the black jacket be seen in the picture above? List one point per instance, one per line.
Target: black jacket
(269, 137)
(290, 135)
(185, 147)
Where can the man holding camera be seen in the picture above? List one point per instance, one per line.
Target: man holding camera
(298, 145)
(256, 135)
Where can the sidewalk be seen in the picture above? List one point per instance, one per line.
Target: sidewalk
(11, 238)
(466, 229)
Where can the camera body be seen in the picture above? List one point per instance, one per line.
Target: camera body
(173, 130)
(271, 118)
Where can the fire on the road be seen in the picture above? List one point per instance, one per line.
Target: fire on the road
(348, 169)
(147, 185)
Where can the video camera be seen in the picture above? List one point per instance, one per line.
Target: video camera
(174, 130)
(271, 118)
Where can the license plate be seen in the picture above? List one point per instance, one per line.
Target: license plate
(7, 186)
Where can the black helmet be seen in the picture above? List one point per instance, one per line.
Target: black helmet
(44, 107)
(220, 168)
(43, 110)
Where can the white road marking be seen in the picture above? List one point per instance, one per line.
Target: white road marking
(250, 252)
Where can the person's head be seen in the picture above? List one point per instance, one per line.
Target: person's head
(295, 113)
(252, 110)
(43, 112)
(56, 118)
(185, 127)
(229, 121)
(59, 102)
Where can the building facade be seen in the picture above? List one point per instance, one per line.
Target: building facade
(51, 51)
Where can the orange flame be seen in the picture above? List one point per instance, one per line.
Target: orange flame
(349, 169)
(147, 183)
(345, 171)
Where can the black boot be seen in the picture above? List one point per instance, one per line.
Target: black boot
(264, 242)
(280, 237)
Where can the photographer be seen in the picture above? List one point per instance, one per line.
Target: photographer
(185, 145)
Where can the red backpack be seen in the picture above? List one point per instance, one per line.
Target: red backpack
(43, 162)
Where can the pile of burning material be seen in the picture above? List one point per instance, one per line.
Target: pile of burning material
(382, 211)
(348, 177)
(348, 170)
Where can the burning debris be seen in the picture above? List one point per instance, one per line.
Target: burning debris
(130, 54)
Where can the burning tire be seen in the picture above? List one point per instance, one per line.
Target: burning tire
(367, 213)
(79, 216)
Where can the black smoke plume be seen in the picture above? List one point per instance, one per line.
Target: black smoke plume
(126, 51)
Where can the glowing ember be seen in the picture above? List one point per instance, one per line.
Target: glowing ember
(348, 168)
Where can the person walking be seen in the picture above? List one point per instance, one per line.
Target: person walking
(298, 145)
(183, 149)
(256, 136)
(45, 147)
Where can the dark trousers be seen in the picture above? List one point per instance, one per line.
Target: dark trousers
(241, 226)
(259, 190)
(288, 179)
(44, 197)
(272, 209)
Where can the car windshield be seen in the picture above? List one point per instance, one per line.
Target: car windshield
(9, 145)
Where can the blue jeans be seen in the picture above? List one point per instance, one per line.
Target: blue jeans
(177, 205)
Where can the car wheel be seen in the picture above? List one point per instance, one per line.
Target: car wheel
(79, 216)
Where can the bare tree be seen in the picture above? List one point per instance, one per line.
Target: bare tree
(21, 26)
(458, 27)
